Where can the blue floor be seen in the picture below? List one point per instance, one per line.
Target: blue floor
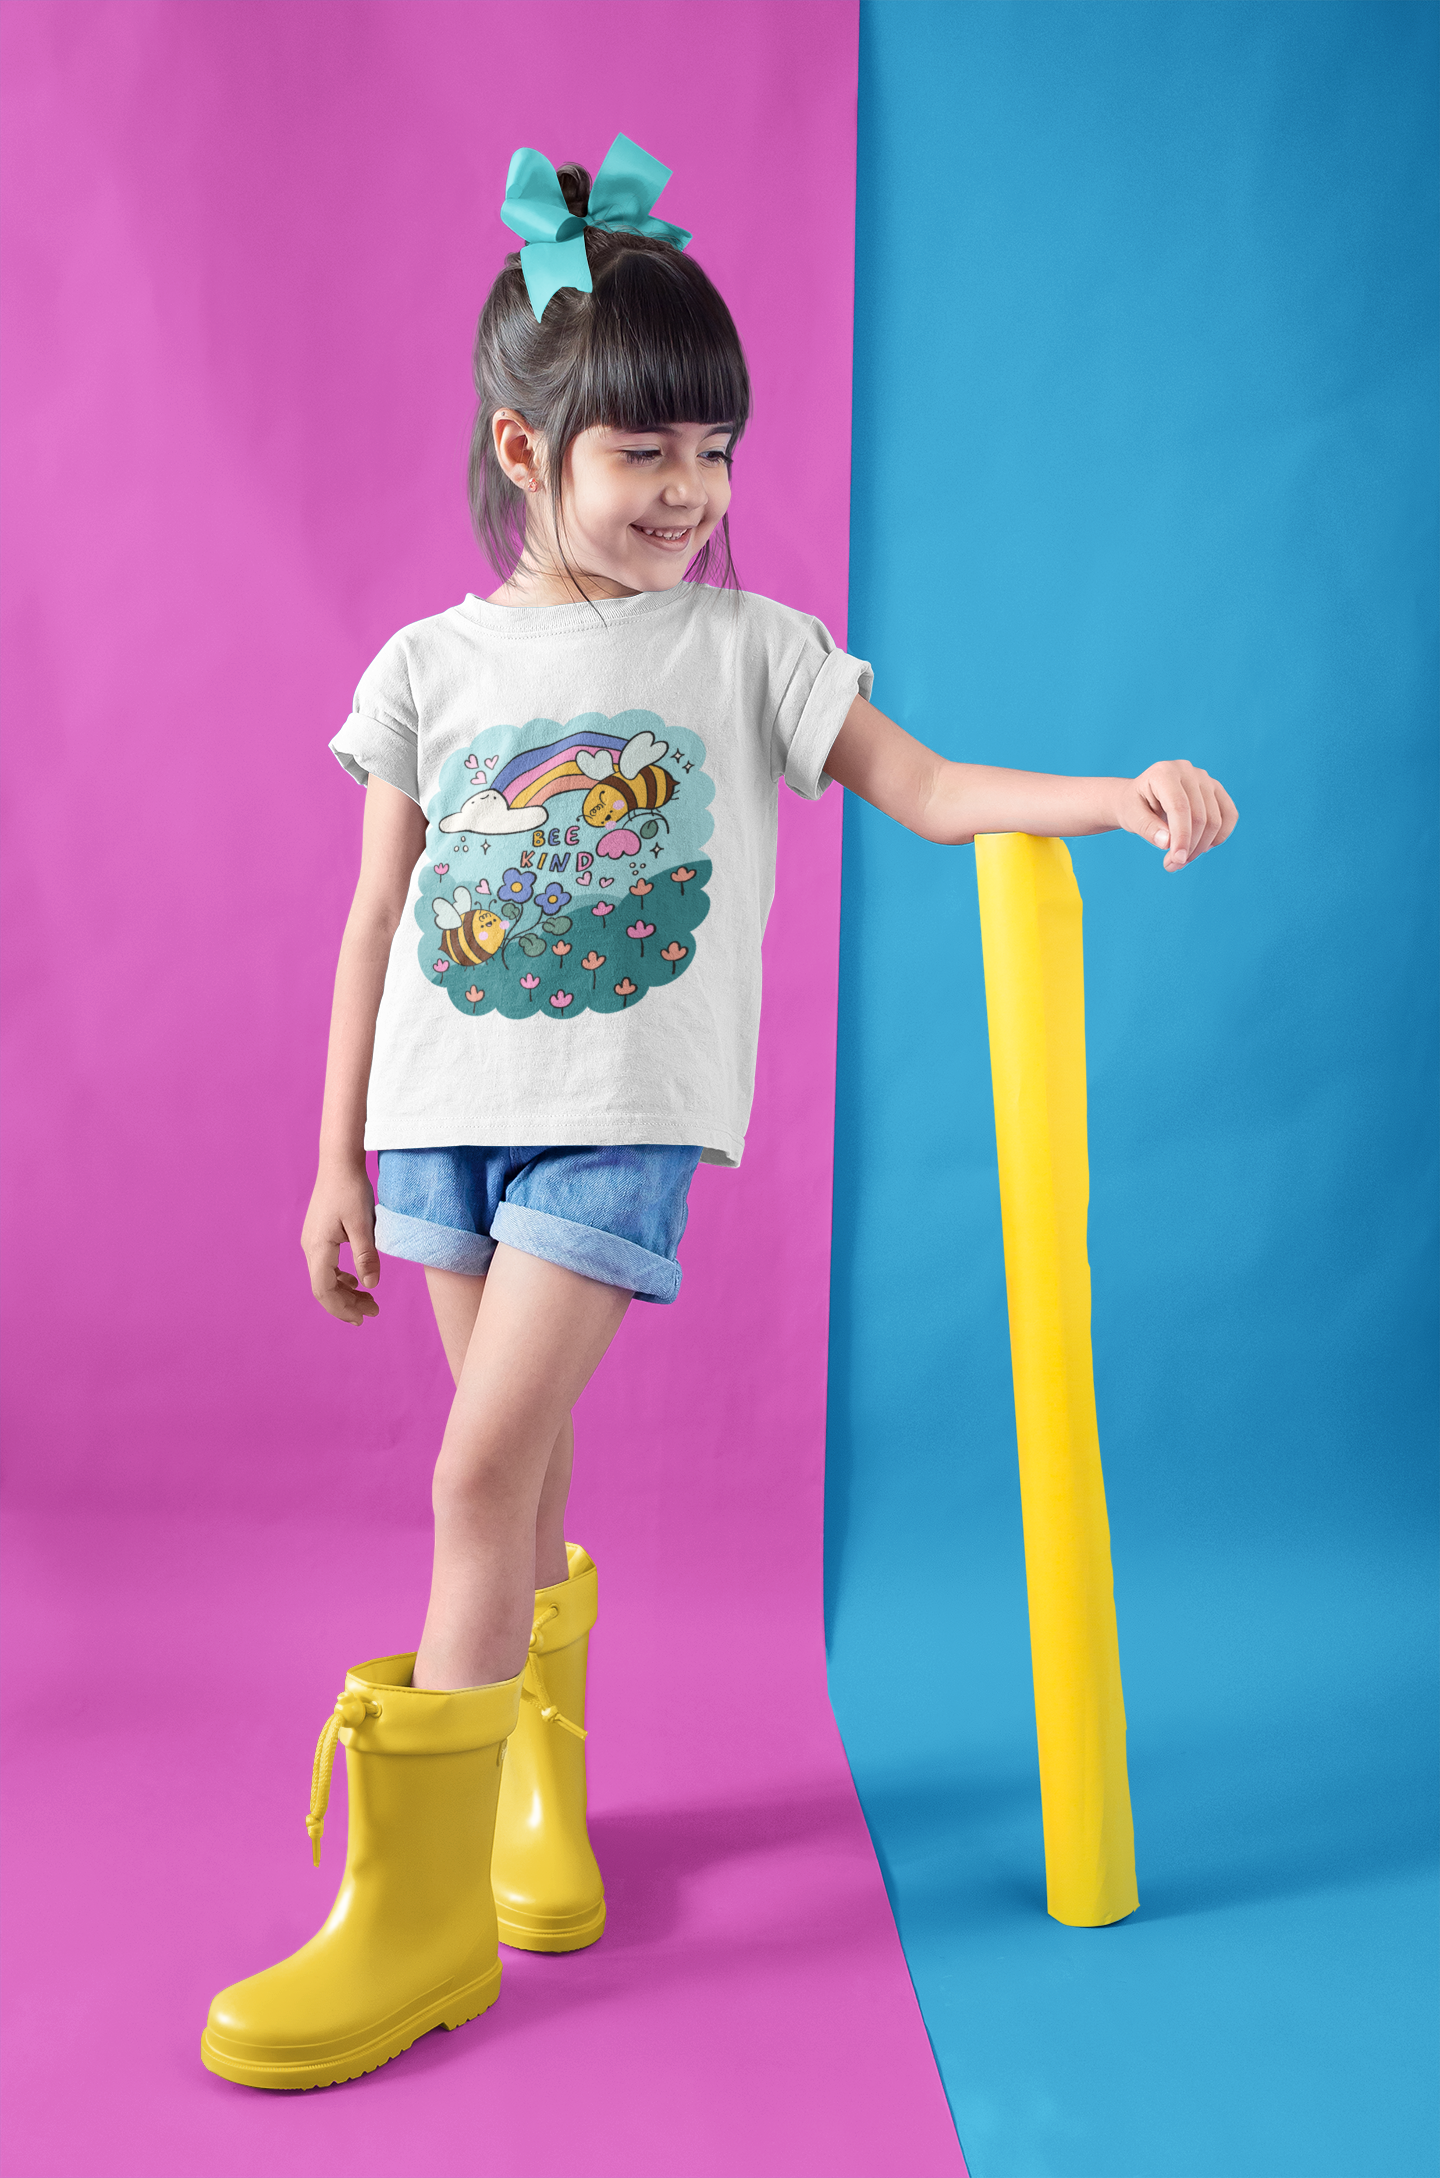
(1271, 2011)
(1143, 460)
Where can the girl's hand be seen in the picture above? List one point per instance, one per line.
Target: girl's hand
(1180, 808)
(342, 1208)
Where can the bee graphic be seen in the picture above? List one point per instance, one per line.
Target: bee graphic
(650, 788)
(468, 934)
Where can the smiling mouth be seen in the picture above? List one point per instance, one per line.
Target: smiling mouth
(664, 536)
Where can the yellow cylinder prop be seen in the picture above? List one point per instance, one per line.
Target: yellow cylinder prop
(1035, 998)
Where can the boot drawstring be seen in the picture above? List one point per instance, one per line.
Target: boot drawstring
(351, 1709)
(533, 1687)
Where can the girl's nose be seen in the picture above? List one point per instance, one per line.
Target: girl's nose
(684, 492)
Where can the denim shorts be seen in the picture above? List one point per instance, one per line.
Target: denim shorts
(614, 1212)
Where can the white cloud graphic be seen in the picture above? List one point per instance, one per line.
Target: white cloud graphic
(489, 812)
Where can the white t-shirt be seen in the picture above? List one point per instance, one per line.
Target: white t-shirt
(580, 957)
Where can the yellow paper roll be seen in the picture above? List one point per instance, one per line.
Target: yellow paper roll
(1035, 998)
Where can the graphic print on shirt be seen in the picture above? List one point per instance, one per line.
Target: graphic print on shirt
(564, 871)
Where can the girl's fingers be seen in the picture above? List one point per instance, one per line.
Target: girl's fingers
(346, 1301)
(363, 1249)
(1214, 817)
(1179, 820)
(1207, 823)
(1185, 812)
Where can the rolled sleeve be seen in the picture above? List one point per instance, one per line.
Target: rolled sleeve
(834, 688)
(381, 737)
(366, 744)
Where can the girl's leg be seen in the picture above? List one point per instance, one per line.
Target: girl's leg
(456, 1302)
(539, 1332)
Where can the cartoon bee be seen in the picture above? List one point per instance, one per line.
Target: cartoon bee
(649, 789)
(468, 934)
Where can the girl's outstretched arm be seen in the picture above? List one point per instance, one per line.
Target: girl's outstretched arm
(1175, 805)
(342, 1206)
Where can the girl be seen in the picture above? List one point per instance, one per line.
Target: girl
(545, 1016)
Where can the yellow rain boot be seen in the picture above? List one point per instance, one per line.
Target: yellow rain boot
(548, 1892)
(410, 1942)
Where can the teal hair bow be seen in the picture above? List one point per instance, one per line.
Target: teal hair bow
(554, 256)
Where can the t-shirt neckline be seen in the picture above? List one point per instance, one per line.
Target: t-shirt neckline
(534, 620)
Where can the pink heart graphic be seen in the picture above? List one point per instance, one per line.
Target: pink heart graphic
(490, 761)
(441, 868)
(607, 880)
(472, 763)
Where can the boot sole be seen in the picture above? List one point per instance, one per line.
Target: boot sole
(454, 2010)
(521, 1936)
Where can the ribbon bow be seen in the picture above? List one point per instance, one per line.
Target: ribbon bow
(623, 191)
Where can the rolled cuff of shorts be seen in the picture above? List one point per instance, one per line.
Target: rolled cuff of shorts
(585, 1248)
(441, 1247)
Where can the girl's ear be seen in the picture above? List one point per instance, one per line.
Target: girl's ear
(517, 449)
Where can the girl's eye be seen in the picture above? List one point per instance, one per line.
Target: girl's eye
(641, 453)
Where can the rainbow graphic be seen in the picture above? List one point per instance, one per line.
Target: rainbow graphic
(536, 776)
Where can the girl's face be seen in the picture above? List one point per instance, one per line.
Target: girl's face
(638, 506)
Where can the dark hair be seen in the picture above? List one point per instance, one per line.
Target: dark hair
(653, 344)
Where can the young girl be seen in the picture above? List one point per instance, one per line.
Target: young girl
(545, 1016)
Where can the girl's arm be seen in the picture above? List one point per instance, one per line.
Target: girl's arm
(1175, 806)
(342, 1206)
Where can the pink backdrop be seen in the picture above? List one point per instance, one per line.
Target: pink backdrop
(245, 247)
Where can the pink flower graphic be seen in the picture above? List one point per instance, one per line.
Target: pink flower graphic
(603, 907)
(674, 954)
(615, 845)
(561, 999)
(440, 965)
(642, 931)
(474, 997)
(530, 983)
(441, 868)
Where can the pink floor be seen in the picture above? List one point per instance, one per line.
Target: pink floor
(244, 251)
(747, 2014)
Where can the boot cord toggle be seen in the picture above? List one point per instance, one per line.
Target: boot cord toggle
(351, 1709)
(532, 1686)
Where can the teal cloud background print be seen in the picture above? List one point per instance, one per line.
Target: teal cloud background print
(564, 867)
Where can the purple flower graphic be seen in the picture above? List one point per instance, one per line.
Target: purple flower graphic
(516, 885)
(642, 931)
(561, 999)
(553, 898)
(603, 907)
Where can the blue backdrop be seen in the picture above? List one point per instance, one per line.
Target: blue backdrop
(1144, 466)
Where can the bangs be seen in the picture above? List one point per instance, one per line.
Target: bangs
(661, 349)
